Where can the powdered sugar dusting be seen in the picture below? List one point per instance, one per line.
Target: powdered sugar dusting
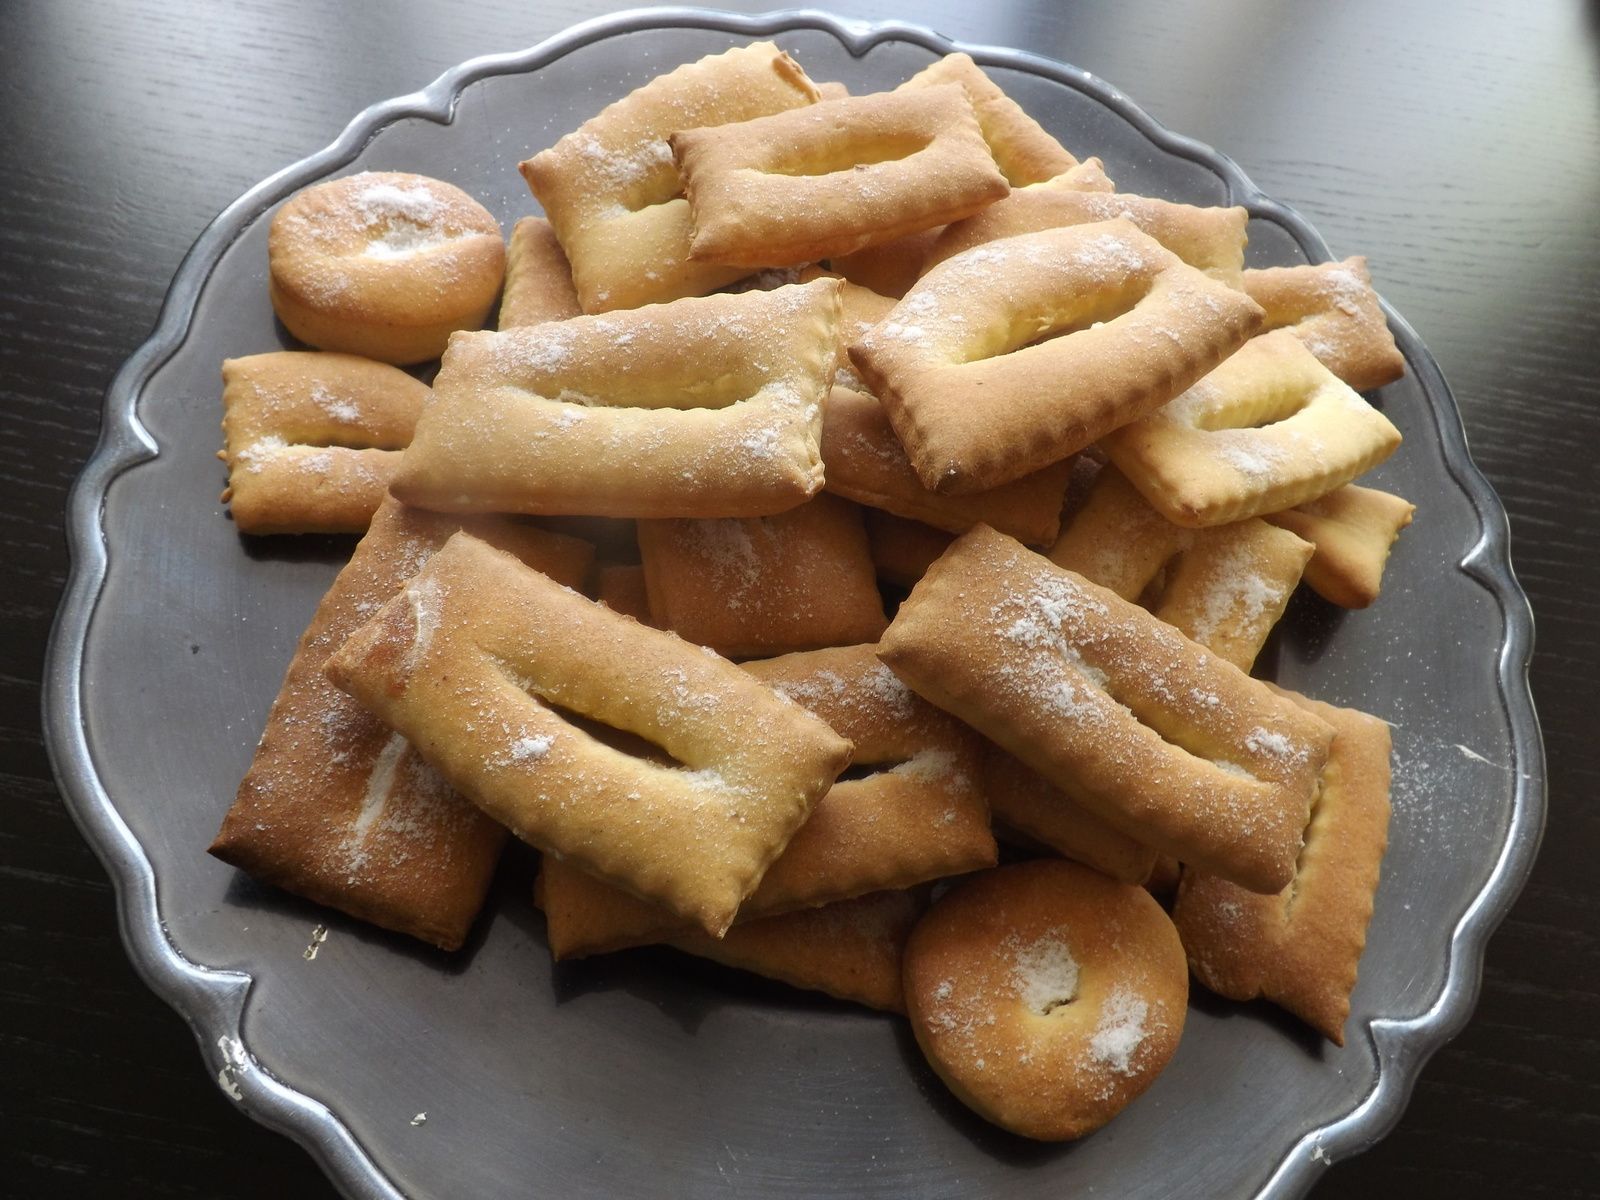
(1044, 972)
(1121, 1030)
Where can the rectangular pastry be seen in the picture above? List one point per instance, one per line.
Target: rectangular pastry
(903, 549)
(1300, 947)
(810, 183)
(705, 407)
(912, 811)
(1268, 429)
(1353, 529)
(312, 439)
(497, 674)
(612, 191)
(337, 808)
(1332, 308)
(1156, 735)
(981, 393)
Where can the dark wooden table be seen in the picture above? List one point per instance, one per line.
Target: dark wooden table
(1458, 145)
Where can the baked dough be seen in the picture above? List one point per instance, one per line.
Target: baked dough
(312, 439)
(748, 586)
(865, 462)
(1267, 430)
(1332, 308)
(478, 662)
(538, 278)
(903, 549)
(1300, 948)
(977, 403)
(1210, 239)
(337, 808)
(383, 264)
(1224, 587)
(621, 589)
(612, 190)
(1022, 149)
(700, 408)
(1030, 804)
(813, 182)
(1353, 529)
(891, 269)
(914, 813)
(1046, 996)
(1156, 735)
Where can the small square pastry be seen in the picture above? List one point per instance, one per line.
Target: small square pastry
(1021, 352)
(1353, 529)
(1268, 429)
(865, 462)
(612, 191)
(1156, 735)
(1209, 239)
(1300, 948)
(748, 586)
(312, 439)
(913, 810)
(814, 182)
(1332, 308)
(497, 675)
(538, 278)
(337, 808)
(708, 407)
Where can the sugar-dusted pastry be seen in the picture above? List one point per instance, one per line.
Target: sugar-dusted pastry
(538, 278)
(1300, 948)
(1156, 735)
(860, 308)
(813, 182)
(865, 462)
(850, 949)
(912, 812)
(979, 391)
(621, 589)
(1332, 308)
(488, 667)
(891, 269)
(1030, 804)
(312, 439)
(612, 191)
(831, 89)
(337, 808)
(1022, 149)
(1353, 529)
(1046, 996)
(747, 586)
(1224, 587)
(1210, 239)
(1267, 430)
(706, 407)
(1228, 589)
(903, 549)
(383, 264)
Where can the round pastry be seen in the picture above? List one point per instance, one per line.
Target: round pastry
(1047, 996)
(384, 264)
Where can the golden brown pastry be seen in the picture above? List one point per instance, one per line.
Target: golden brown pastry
(1046, 996)
(1332, 308)
(383, 264)
(312, 439)
(538, 278)
(337, 808)
(491, 670)
(1353, 529)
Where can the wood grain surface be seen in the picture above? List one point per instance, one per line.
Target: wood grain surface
(1455, 144)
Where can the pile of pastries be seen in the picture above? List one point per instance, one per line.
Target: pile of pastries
(852, 485)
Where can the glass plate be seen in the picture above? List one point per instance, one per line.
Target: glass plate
(648, 1073)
